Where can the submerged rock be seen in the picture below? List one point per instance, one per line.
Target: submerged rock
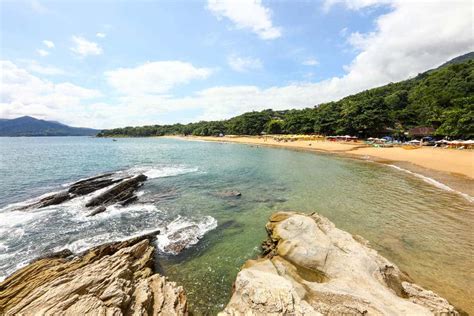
(228, 194)
(98, 210)
(313, 268)
(112, 279)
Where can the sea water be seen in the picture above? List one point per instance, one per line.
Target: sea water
(425, 229)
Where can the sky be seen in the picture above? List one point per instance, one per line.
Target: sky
(106, 64)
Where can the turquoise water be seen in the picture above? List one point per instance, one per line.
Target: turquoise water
(425, 230)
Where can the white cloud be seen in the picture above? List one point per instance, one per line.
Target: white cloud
(154, 77)
(407, 40)
(101, 35)
(246, 14)
(243, 64)
(22, 93)
(311, 62)
(355, 4)
(84, 48)
(48, 44)
(38, 7)
(411, 38)
(42, 52)
(35, 67)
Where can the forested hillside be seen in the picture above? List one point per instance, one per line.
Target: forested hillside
(442, 98)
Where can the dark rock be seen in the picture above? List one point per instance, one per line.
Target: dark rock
(129, 200)
(98, 210)
(64, 253)
(121, 192)
(101, 176)
(228, 194)
(54, 199)
(91, 186)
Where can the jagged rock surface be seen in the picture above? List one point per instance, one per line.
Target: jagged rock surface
(113, 279)
(313, 268)
(123, 192)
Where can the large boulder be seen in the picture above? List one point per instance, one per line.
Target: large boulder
(112, 279)
(313, 268)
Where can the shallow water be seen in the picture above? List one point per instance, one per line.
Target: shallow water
(426, 230)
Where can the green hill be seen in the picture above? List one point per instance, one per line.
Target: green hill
(30, 126)
(442, 98)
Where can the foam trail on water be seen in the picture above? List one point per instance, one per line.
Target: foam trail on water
(153, 172)
(435, 183)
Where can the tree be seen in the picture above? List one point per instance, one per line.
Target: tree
(274, 126)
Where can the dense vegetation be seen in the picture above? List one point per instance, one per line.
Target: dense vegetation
(442, 99)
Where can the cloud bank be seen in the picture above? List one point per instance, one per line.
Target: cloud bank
(412, 37)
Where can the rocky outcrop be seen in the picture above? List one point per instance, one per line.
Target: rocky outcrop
(122, 193)
(313, 268)
(53, 199)
(112, 279)
(90, 185)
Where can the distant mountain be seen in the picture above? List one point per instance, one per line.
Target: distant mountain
(30, 126)
(459, 59)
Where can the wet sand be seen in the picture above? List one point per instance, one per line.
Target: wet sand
(454, 168)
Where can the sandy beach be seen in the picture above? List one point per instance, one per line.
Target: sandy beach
(451, 167)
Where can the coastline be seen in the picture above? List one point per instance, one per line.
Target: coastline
(449, 168)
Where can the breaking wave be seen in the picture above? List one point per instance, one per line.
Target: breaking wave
(183, 233)
(435, 183)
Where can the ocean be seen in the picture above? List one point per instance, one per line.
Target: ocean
(424, 228)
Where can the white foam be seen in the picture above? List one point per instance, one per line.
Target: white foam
(12, 219)
(153, 172)
(28, 201)
(435, 183)
(184, 231)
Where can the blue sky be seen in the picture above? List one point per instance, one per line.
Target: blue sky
(108, 64)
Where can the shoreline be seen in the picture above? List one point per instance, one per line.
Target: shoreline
(450, 169)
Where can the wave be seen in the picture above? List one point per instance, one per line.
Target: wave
(133, 210)
(153, 172)
(183, 233)
(10, 220)
(435, 183)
